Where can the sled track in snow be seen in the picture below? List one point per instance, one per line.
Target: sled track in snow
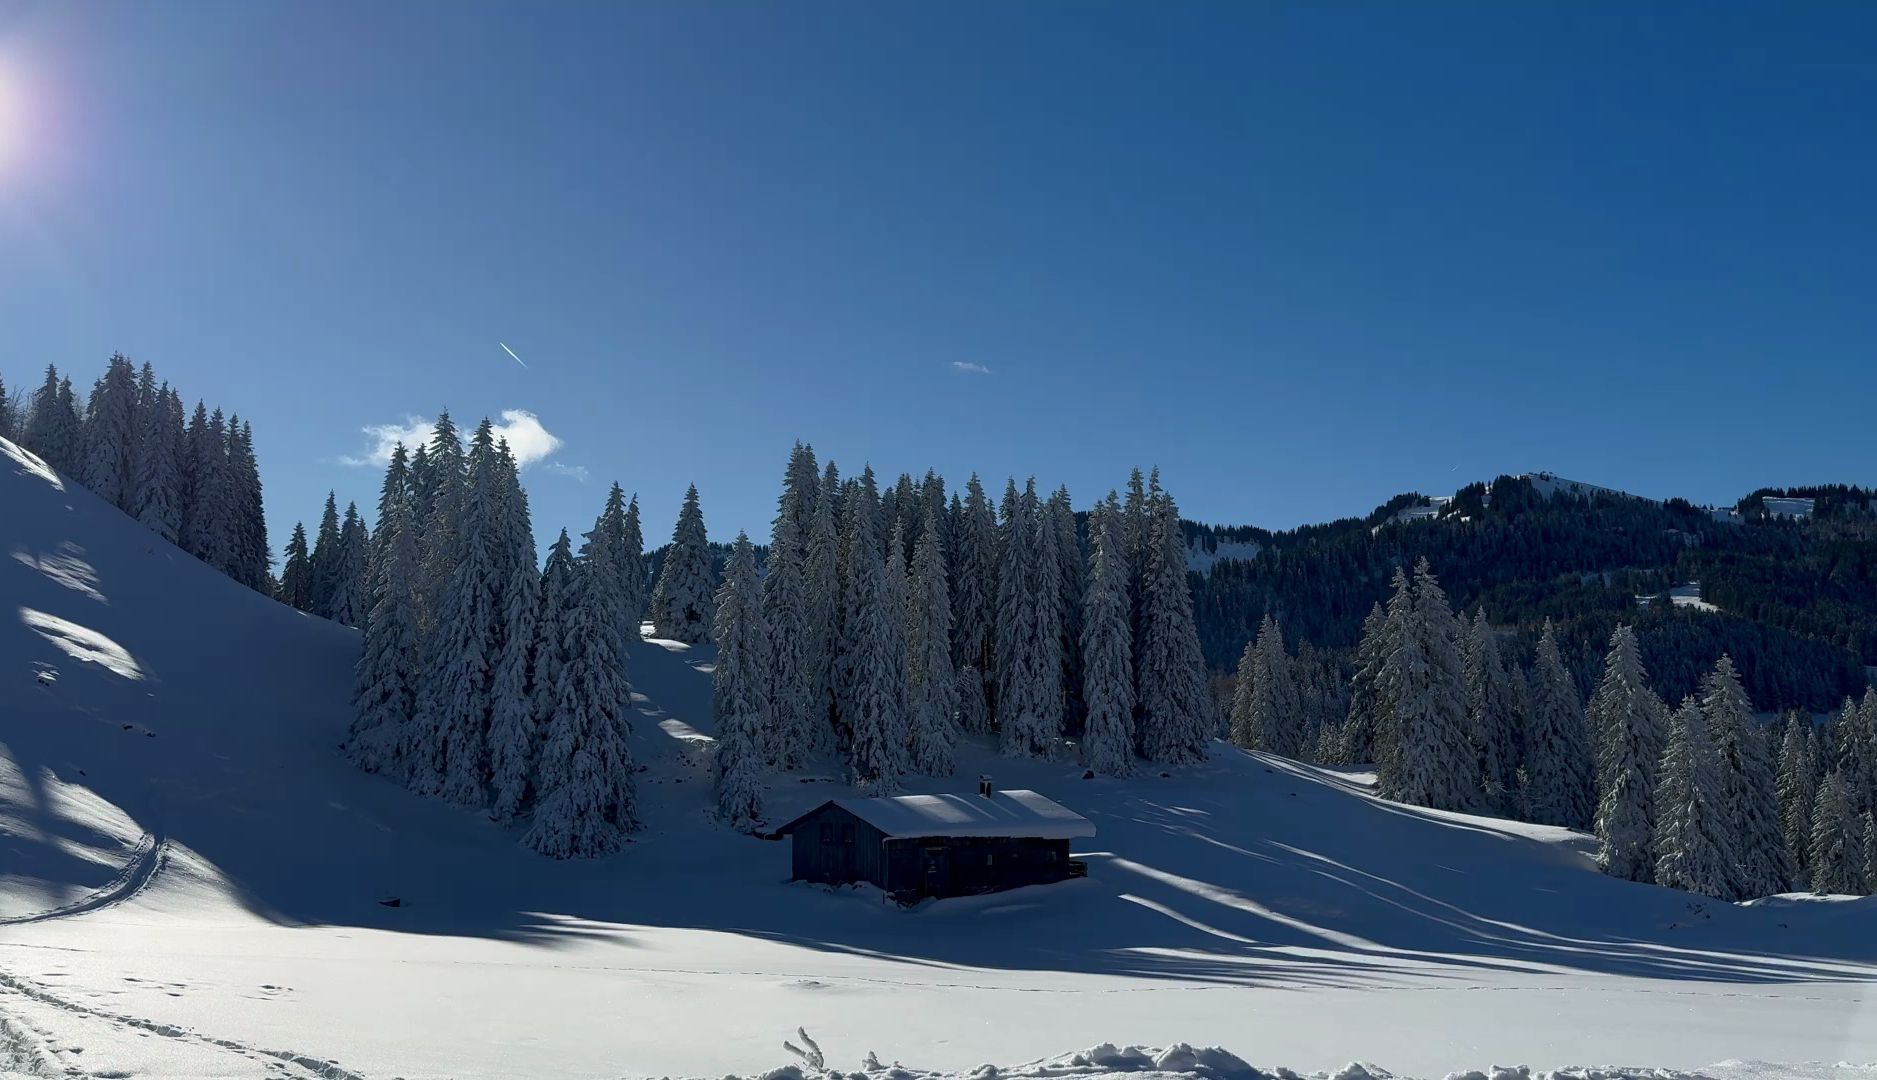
(289, 1063)
(147, 860)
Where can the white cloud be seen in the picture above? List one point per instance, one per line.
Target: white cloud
(578, 472)
(969, 368)
(527, 440)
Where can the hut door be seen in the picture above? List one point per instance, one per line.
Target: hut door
(938, 870)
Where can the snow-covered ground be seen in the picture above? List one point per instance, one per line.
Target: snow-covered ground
(191, 881)
(1686, 595)
(1200, 559)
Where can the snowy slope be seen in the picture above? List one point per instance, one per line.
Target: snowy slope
(190, 878)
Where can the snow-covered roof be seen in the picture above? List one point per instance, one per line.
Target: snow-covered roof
(1003, 813)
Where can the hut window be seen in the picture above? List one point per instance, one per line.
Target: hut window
(827, 833)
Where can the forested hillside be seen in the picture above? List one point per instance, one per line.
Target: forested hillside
(1797, 598)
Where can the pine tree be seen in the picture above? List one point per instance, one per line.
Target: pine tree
(439, 474)
(1798, 790)
(1272, 719)
(1245, 731)
(1747, 783)
(390, 664)
(681, 605)
(110, 433)
(1430, 762)
(1560, 772)
(740, 687)
(821, 587)
(208, 521)
(1837, 846)
(1175, 722)
(463, 649)
(1366, 707)
(1492, 716)
(1629, 720)
(1693, 844)
(1107, 653)
(394, 497)
(157, 501)
(1029, 667)
(604, 556)
(633, 555)
(932, 683)
(974, 605)
(296, 575)
(514, 736)
(793, 643)
(587, 805)
(348, 603)
(556, 598)
(327, 559)
(872, 655)
(52, 428)
(248, 556)
(1071, 563)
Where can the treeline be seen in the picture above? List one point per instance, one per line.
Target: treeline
(1694, 798)
(193, 481)
(888, 624)
(1799, 609)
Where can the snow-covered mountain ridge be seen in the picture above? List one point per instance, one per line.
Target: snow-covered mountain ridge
(193, 883)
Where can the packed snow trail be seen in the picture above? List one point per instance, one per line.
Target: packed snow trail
(1248, 902)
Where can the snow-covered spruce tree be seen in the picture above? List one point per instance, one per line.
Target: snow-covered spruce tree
(394, 497)
(348, 603)
(1175, 719)
(587, 806)
(797, 708)
(1366, 706)
(249, 558)
(1492, 716)
(1870, 852)
(1072, 567)
(740, 684)
(681, 605)
(463, 648)
(324, 562)
(558, 594)
(438, 495)
(6, 414)
(1275, 709)
(1693, 845)
(633, 552)
(1029, 669)
(1798, 789)
(1136, 532)
(1107, 653)
(1560, 775)
(1432, 763)
(821, 597)
(932, 683)
(157, 501)
(1837, 844)
(605, 557)
(1631, 723)
(1244, 726)
(873, 702)
(973, 605)
(1747, 784)
(296, 576)
(53, 429)
(110, 433)
(514, 736)
(390, 664)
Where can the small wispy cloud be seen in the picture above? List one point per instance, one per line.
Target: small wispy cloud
(968, 368)
(528, 440)
(578, 472)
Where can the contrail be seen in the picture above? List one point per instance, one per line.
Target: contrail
(511, 353)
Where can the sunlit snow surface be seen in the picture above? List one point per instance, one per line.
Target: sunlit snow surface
(191, 877)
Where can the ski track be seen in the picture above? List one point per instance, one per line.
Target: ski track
(147, 860)
(20, 1045)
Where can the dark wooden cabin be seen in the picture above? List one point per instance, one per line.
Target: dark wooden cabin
(914, 846)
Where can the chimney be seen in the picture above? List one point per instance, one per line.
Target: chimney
(984, 785)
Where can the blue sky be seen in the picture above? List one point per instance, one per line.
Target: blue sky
(1302, 255)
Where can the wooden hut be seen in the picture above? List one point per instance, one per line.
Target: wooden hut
(938, 845)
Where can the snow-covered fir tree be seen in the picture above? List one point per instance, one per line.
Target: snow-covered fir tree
(1029, 664)
(681, 604)
(633, 552)
(53, 429)
(1747, 784)
(931, 681)
(1243, 729)
(1107, 652)
(394, 497)
(1837, 849)
(110, 434)
(6, 414)
(558, 594)
(1694, 848)
(157, 500)
(1430, 761)
(1798, 789)
(604, 555)
(974, 605)
(740, 691)
(208, 520)
(794, 644)
(348, 603)
(873, 701)
(1630, 723)
(438, 475)
(249, 558)
(296, 574)
(587, 804)
(1366, 706)
(1493, 723)
(1560, 781)
(514, 736)
(821, 585)
(1071, 564)
(1174, 714)
(324, 563)
(390, 665)
(1272, 717)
